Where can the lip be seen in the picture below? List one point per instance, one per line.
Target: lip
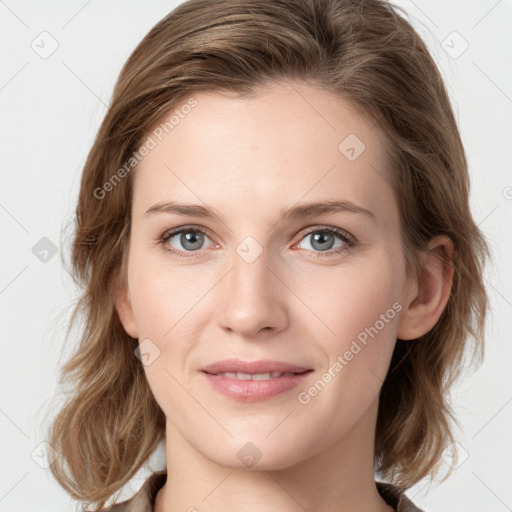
(264, 366)
(253, 390)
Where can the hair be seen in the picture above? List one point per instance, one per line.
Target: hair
(366, 53)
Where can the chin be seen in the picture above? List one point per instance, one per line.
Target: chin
(258, 455)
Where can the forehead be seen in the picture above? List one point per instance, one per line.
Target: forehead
(290, 141)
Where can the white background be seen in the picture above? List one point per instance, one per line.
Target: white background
(50, 111)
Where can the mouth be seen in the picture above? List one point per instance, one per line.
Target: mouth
(253, 381)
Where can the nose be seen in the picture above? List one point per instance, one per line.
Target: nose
(253, 298)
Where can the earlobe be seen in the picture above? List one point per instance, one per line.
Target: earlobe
(431, 290)
(124, 310)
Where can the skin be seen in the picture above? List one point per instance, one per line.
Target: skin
(248, 159)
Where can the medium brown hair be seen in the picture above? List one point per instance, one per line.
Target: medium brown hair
(366, 53)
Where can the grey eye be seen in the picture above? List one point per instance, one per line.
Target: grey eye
(190, 239)
(322, 240)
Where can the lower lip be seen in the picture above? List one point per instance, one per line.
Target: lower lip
(254, 390)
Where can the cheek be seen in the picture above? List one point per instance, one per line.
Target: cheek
(168, 311)
(361, 308)
(357, 355)
(351, 299)
(164, 300)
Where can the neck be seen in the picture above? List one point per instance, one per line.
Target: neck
(339, 476)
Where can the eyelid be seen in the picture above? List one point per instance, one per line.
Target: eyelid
(176, 231)
(306, 231)
(334, 229)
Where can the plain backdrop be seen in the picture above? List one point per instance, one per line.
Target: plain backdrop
(53, 96)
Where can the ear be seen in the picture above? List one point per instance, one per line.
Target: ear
(124, 308)
(429, 291)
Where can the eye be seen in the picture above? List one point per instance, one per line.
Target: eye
(190, 239)
(324, 239)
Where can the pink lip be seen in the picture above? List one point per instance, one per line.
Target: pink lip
(253, 390)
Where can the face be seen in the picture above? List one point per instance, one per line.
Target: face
(264, 277)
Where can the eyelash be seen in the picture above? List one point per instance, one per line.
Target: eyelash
(348, 239)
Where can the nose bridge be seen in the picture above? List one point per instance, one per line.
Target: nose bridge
(250, 267)
(252, 299)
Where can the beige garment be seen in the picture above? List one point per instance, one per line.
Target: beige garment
(144, 499)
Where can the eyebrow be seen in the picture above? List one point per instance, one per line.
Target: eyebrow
(296, 212)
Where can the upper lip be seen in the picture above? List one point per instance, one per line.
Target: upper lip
(264, 366)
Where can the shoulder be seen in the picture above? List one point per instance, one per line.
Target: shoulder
(396, 498)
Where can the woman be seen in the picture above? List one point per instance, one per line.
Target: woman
(242, 138)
